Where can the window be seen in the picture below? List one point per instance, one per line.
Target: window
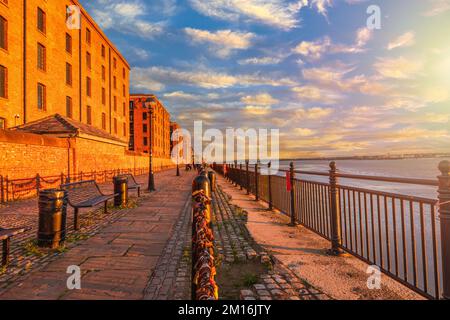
(115, 103)
(144, 116)
(68, 74)
(41, 23)
(103, 96)
(124, 91)
(103, 73)
(68, 43)
(2, 123)
(145, 128)
(69, 107)
(88, 86)
(3, 82)
(145, 141)
(123, 73)
(124, 109)
(115, 126)
(115, 63)
(41, 52)
(103, 121)
(3, 33)
(88, 36)
(88, 60)
(115, 82)
(103, 51)
(89, 115)
(124, 129)
(41, 97)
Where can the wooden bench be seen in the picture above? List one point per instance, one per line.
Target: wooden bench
(5, 237)
(132, 183)
(85, 194)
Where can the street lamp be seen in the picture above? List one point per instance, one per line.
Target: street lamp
(150, 104)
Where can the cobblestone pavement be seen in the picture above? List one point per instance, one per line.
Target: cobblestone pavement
(235, 244)
(117, 252)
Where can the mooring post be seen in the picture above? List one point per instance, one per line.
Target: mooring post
(291, 178)
(444, 216)
(336, 230)
(269, 182)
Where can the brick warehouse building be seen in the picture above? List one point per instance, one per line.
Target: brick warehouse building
(54, 77)
(140, 126)
(46, 68)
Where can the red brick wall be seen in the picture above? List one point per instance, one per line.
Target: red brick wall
(23, 155)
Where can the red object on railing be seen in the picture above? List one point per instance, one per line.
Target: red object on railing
(288, 181)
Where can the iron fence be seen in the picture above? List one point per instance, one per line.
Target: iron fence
(400, 234)
(25, 188)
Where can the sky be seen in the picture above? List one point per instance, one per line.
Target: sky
(310, 68)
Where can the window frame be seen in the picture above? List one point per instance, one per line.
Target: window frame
(44, 20)
(69, 107)
(44, 57)
(69, 74)
(5, 87)
(5, 33)
(69, 47)
(44, 97)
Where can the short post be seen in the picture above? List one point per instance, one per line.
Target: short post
(38, 183)
(7, 189)
(291, 178)
(247, 177)
(240, 176)
(2, 195)
(444, 216)
(256, 183)
(269, 182)
(236, 174)
(336, 230)
(121, 191)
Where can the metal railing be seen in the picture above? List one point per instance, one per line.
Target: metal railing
(19, 189)
(400, 234)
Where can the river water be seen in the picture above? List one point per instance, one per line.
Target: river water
(405, 168)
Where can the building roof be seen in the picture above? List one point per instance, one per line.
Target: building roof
(59, 125)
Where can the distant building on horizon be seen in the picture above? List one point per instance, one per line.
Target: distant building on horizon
(47, 69)
(140, 126)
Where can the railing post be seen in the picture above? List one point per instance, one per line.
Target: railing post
(236, 175)
(247, 176)
(2, 195)
(256, 182)
(7, 189)
(38, 183)
(444, 216)
(269, 182)
(240, 176)
(291, 178)
(336, 231)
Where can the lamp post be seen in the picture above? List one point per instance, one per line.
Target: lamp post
(149, 103)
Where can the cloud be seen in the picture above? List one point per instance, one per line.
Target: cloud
(315, 49)
(257, 110)
(222, 42)
(313, 113)
(282, 14)
(405, 40)
(263, 99)
(437, 7)
(260, 61)
(159, 77)
(397, 68)
(304, 132)
(312, 93)
(125, 18)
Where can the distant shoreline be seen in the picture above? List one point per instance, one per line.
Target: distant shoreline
(369, 158)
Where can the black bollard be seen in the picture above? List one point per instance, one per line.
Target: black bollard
(52, 218)
(120, 191)
(212, 180)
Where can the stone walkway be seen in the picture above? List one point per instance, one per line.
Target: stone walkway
(124, 257)
(302, 255)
